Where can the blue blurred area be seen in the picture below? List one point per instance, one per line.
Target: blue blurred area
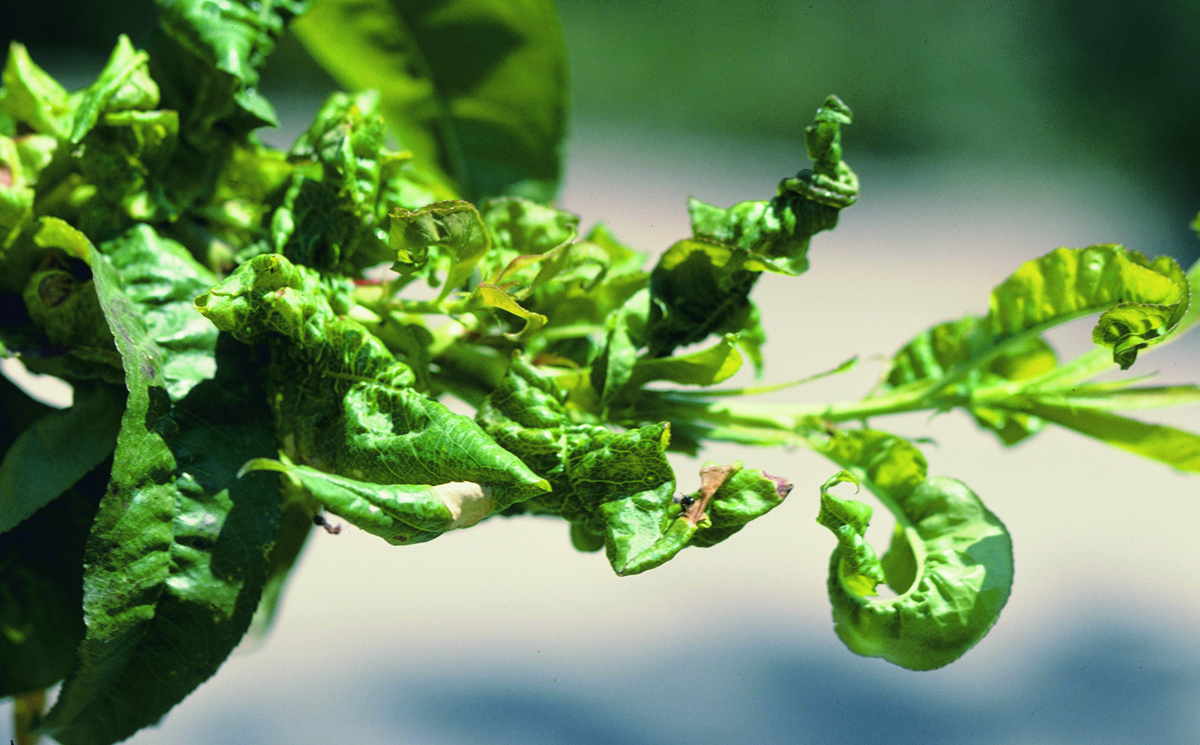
(1098, 683)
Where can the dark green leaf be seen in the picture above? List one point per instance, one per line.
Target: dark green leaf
(57, 450)
(333, 215)
(178, 548)
(702, 285)
(186, 560)
(618, 485)
(777, 233)
(699, 287)
(41, 597)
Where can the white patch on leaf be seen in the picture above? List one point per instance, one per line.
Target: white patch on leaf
(467, 501)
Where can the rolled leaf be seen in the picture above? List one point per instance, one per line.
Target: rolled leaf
(950, 562)
(847, 519)
(618, 485)
(1140, 302)
(777, 233)
(401, 514)
(451, 233)
(702, 285)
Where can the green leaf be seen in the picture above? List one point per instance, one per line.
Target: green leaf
(124, 84)
(342, 402)
(777, 233)
(22, 160)
(618, 485)
(452, 234)
(32, 97)
(705, 367)
(121, 161)
(938, 352)
(334, 212)
(475, 89)
(859, 567)
(702, 285)
(162, 278)
(41, 596)
(613, 367)
(208, 59)
(742, 495)
(184, 561)
(41, 566)
(950, 561)
(494, 297)
(1141, 300)
(178, 548)
(57, 450)
(401, 514)
(699, 287)
(1177, 448)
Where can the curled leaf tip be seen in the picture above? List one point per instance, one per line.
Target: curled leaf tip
(261, 464)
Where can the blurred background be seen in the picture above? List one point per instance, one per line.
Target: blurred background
(984, 135)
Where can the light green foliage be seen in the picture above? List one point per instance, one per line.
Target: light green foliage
(950, 562)
(249, 350)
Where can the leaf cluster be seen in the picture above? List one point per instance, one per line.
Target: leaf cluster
(256, 338)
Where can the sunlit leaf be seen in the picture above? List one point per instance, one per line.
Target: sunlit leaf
(950, 562)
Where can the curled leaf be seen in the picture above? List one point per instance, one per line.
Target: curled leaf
(450, 232)
(343, 404)
(859, 567)
(618, 485)
(950, 562)
(1141, 300)
(32, 97)
(401, 514)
